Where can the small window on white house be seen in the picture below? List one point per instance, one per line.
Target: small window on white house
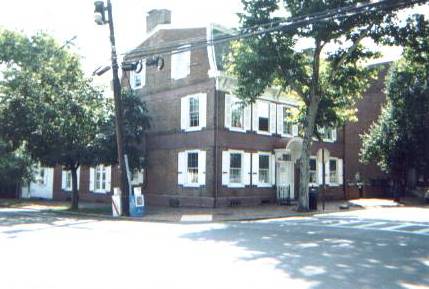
(138, 79)
(313, 171)
(264, 169)
(235, 169)
(264, 116)
(100, 178)
(193, 109)
(181, 62)
(40, 176)
(67, 180)
(193, 168)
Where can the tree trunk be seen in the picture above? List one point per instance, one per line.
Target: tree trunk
(310, 119)
(75, 192)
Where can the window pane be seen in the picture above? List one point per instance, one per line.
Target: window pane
(192, 160)
(312, 164)
(264, 162)
(235, 161)
(237, 115)
(332, 165)
(194, 114)
(263, 124)
(287, 125)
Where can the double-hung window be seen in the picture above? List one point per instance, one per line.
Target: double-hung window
(235, 170)
(264, 169)
(287, 124)
(66, 183)
(193, 168)
(333, 173)
(313, 171)
(40, 176)
(237, 115)
(194, 111)
(328, 134)
(263, 116)
(99, 179)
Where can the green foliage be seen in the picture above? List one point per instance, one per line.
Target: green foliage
(15, 166)
(398, 140)
(136, 122)
(330, 77)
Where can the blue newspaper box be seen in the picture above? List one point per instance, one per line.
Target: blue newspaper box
(137, 203)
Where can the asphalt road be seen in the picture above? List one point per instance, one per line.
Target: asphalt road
(379, 248)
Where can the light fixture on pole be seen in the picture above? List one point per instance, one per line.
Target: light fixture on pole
(101, 19)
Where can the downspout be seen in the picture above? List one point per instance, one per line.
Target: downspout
(344, 162)
(216, 135)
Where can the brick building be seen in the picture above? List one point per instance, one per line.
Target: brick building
(204, 149)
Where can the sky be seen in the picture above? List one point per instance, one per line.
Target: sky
(66, 19)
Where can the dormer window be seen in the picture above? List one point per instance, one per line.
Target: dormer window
(181, 62)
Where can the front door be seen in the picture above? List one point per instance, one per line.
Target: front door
(285, 178)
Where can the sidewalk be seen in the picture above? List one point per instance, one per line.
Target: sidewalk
(203, 215)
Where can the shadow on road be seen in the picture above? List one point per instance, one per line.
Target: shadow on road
(331, 257)
(13, 223)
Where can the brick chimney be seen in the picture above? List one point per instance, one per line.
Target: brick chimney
(156, 17)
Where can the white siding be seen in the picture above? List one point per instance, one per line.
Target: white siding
(272, 118)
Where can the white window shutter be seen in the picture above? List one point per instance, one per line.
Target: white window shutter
(202, 100)
(63, 179)
(248, 117)
(319, 173)
(140, 177)
(340, 171)
(108, 178)
(186, 63)
(91, 179)
(184, 113)
(272, 117)
(280, 119)
(246, 169)
(228, 102)
(327, 179)
(225, 168)
(181, 168)
(78, 178)
(295, 130)
(255, 169)
(273, 169)
(202, 168)
(255, 116)
(334, 134)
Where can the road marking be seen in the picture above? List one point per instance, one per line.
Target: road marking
(370, 225)
(397, 227)
(422, 231)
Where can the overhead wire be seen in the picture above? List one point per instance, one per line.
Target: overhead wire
(284, 25)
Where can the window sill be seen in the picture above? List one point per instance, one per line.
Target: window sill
(235, 129)
(263, 132)
(192, 129)
(99, 192)
(191, 185)
(287, 135)
(236, 186)
(265, 186)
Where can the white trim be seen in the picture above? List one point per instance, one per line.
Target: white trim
(202, 112)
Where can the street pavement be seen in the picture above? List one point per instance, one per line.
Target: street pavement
(375, 248)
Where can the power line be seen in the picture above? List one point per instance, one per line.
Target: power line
(284, 25)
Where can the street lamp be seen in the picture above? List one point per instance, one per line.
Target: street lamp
(100, 19)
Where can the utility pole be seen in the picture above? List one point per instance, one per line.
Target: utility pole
(123, 180)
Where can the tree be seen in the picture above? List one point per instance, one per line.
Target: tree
(397, 141)
(329, 78)
(15, 167)
(52, 109)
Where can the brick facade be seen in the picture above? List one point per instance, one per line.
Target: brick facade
(165, 140)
